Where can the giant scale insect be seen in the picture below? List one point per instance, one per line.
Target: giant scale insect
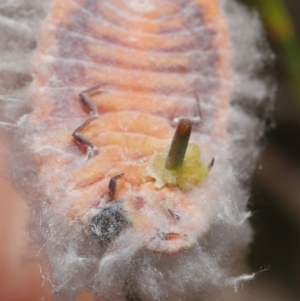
(136, 69)
(129, 131)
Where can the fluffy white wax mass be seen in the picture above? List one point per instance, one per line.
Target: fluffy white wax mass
(19, 23)
(142, 263)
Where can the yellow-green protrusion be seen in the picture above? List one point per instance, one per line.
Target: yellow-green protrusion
(191, 173)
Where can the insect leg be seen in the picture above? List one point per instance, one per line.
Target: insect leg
(82, 140)
(86, 100)
(193, 119)
(211, 164)
(173, 214)
(112, 185)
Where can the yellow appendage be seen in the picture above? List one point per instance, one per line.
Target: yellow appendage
(191, 173)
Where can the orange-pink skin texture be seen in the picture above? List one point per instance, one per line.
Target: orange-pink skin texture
(148, 75)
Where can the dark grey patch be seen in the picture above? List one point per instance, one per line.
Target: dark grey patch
(108, 224)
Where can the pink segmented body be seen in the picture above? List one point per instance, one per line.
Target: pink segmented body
(151, 62)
